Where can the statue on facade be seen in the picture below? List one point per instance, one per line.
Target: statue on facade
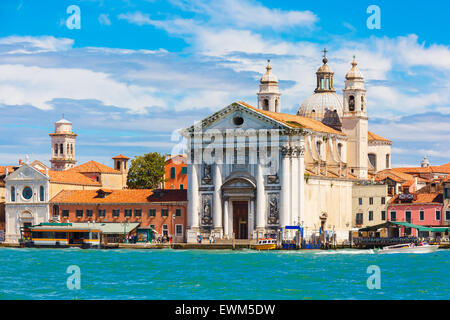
(206, 219)
(207, 178)
(273, 210)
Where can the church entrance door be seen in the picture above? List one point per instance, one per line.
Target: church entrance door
(240, 219)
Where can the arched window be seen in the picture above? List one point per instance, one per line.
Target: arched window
(351, 103)
(327, 84)
(61, 149)
(362, 103)
(41, 193)
(56, 149)
(276, 104)
(118, 165)
(339, 147)
(388, 161)
(318, 147)
(266, 104)
(373, 160)
(13, 194)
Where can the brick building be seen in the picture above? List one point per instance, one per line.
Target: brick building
(165, 211)
(176, 172)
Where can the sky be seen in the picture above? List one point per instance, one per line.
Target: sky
(132, 73)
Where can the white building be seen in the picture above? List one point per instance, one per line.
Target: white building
(252, 171)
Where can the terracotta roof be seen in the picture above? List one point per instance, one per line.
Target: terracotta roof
(93, 167)
(120, 196)
(440, 169)
(70, 177)
(121, 156)
(396, 175)
(10, 169)
(374, 137)
(295, 121)
(430, 169)
(421, 198)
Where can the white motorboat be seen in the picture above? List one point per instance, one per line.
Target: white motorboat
(409, 248)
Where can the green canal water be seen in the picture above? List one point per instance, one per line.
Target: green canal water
(224, 274)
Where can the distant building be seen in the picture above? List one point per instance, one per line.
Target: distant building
(175, 172)
(63, 146)
(423, 208)
(164, 211)
(369, 204)
(446, 205)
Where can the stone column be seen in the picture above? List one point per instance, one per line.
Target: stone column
(251, 218)
(301, 185)
(192, 222)
(260, 199)
(294, 187)
(226, 229)
(285, 186)
(217, 213)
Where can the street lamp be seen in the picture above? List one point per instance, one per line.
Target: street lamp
(125, 223)
(173, 227)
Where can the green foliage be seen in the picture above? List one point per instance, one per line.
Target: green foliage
(147, 171)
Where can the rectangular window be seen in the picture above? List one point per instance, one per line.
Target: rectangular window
(152, 212)
(172, 173)
(359, 218)
(383, 215)
(447, 215)
(41, 193)
(184, 170)
(164, 212)
(370, 200)
(360, 201)
(393, 216)
(116, 212)
(128, 212)
(152, 226)
(181, 186)
(79, 213)
(13, 194)
(65, 213)
(438, 215)
(88, 213)
(383, 200)
(101, 213)
(165, 230)
(137, 212)
(370, 215)
(421, 215)
(178, 212)
(408, 216)
(179, 230)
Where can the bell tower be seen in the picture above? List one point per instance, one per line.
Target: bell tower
(63, 146)
(355, 122)
(269, 92)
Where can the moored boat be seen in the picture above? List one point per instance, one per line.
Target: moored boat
(409, 248)
(266, 244)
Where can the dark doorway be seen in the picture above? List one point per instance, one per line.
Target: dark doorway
(240, 219)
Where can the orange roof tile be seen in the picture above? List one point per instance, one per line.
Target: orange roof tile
(295, 121)
(374, 137)
(421, 198)
(93, 167)
(119, 196)
(121, 156)
(69, 177)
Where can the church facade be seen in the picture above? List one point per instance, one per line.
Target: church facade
(254, 170)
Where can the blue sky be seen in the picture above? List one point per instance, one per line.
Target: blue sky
(136, 71)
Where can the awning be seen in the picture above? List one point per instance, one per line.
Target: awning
(404, 224)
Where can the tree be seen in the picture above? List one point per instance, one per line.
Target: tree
(147, 171)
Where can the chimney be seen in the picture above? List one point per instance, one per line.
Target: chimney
(20, 162)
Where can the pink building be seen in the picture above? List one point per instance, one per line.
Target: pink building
(423, 209)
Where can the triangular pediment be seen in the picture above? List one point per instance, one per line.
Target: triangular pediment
(238, 116)
(26, 172)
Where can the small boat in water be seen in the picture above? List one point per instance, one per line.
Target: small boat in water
(409, 248)
(266, 244)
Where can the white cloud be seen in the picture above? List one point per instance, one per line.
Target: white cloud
(29, 44)
(21, 85)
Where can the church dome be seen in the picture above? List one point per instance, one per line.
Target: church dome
(316, 105)
(354, 73)
(268, 76)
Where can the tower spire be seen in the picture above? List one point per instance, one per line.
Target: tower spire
(269, 92)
